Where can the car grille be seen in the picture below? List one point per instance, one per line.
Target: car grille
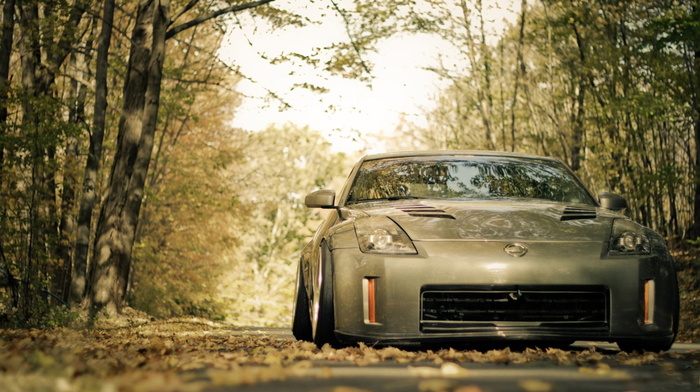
(538, 306)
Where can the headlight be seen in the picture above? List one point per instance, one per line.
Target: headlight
(382, 235)
(628, 238)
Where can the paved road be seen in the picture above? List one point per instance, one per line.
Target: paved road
(671, 374)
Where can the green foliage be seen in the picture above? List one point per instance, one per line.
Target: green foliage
(693, 242)
(188, 203)
(47, 312)
(284, 164)
(192, 212)
(174, 282)
(603, 86)
(219, 229)
(32, 168)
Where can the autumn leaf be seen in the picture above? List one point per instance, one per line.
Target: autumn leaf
(535, 386)
(191, 355)
(436, 385)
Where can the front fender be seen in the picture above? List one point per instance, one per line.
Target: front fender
(342, 236)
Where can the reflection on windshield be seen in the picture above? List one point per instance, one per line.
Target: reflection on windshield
(466, 178)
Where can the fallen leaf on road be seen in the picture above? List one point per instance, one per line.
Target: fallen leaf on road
(190, 355)
(424, 371)
(605, 370)
(535, 386)
(436, 385)
(469, 388)
(450, 369)
(349, 389)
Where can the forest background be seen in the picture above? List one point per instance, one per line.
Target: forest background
(123, 183)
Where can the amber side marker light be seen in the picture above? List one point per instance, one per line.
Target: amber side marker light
(649, 301)
(370, 300)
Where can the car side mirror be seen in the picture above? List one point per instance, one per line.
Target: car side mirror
(612, 201)
(324, 198)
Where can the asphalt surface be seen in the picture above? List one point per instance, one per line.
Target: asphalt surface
(670, 374)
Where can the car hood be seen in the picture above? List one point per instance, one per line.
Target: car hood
(496, 220)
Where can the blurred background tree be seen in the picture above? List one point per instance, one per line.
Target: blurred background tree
(282, 165)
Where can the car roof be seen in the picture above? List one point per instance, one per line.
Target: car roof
(446, 153)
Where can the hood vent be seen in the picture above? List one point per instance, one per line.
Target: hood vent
(577, 213)
(425, 211)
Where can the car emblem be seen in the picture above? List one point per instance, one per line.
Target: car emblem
(516, 250)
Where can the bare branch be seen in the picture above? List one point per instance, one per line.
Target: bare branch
(201, 19)
(65, 43)
(352, 39)
(188, 7)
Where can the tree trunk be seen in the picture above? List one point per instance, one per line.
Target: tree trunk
(694, 77)
(116, 227)
(92, 166)
(30, 57)
(43, 52)
(519, 71)
(6, 40)
(477, 52)
(695, 229)
(8, 26)
(67, 225)
(578, 111)
(109, 273)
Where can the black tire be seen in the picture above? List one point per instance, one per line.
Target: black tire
(324, 333)
(301, 321)
(649, 345)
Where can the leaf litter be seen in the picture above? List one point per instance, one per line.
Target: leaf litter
(193, 355)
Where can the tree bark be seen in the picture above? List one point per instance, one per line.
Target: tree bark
(44, 49)
(116, 227)
(695, 229)
(6, 40)
(92, 166)
(8, 26)
(519, 71)
(694, 78)
(67, 225)
(33, 83)
(479, 57)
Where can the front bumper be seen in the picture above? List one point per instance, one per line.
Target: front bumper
(393, 311)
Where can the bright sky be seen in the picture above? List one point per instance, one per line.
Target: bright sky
(352, 113)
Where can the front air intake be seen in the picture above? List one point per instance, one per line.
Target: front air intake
(578, 213)
(425, 211)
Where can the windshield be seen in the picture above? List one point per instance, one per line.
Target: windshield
(466, 178)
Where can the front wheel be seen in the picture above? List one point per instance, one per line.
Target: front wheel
(323, 316)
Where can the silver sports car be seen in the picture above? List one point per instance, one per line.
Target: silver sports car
(453, 247)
